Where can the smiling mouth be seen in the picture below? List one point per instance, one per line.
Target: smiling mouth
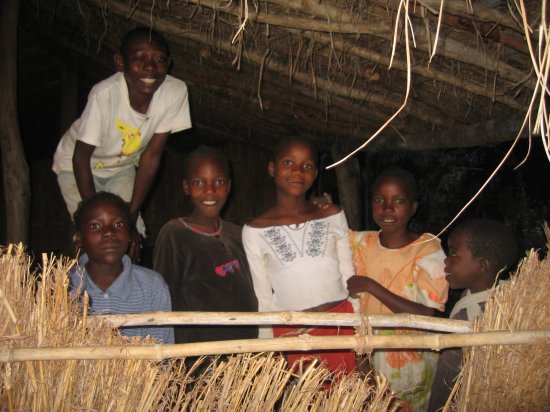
(389, 220)
(209, 202)
(148, 81)
(111, 246)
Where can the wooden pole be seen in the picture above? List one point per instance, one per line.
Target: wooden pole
(15, 171)
(347, 177)
(301, 343)
(400, 320)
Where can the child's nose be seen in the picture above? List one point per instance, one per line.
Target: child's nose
(108, 231)
(296, 168)
(148, 63)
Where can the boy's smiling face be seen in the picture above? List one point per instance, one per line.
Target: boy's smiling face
(145, 63)
(104, 233)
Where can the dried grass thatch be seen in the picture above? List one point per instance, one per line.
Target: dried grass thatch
(38, 313)
(511, 377)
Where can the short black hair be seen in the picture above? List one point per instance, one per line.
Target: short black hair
(283, 144)
(139, 32)
(492, 240)
(101, 197)
(205, 152)
(405, 176)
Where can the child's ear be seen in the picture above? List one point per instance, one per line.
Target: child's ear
(484, 265)
(415, 206)
(119, 62)
(78, 239)
(271, 169)
(185, 186)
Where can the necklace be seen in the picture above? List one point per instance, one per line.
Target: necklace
(200, 232)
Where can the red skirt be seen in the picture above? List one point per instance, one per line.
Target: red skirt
(335, 360)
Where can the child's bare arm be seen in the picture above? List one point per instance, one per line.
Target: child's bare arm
(397, 304)
(82, 170)
(146, 171)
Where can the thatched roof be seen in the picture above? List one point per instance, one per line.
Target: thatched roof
(262, 70)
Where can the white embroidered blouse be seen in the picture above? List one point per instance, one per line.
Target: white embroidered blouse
(296, 267)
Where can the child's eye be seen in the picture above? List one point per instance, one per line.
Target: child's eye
(400, 201)
(137, 57)
(120, 224)
(94, 226)
(377, 199)
(161, 60)
(220, 182)
(197, 183)
(287, 162)
(308, 166)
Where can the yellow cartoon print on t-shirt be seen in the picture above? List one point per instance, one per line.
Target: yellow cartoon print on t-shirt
(131, 138)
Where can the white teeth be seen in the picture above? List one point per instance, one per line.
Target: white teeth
(209, 202)
(148, 81)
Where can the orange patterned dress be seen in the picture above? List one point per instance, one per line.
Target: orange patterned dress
(414, 272)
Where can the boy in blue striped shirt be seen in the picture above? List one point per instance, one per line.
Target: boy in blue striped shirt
(113, 283)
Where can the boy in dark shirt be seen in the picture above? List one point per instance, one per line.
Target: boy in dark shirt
(479, 250)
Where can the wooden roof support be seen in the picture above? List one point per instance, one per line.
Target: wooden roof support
(418, 109)
(430, 73)
(483, 133)
(448, 47)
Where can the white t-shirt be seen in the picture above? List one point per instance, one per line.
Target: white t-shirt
(119, 133)
(296, 267)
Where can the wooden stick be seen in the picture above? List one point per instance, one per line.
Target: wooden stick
(300, 343)
(401, 320)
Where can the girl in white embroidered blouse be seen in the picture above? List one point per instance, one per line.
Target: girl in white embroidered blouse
(299, 254)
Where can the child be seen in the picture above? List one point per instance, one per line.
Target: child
(201, 256)
(399, 272)
(114, 284)
(125, 125)
(299, 253)
(479, 250)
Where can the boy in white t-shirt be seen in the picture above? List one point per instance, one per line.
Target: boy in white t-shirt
(117, 143)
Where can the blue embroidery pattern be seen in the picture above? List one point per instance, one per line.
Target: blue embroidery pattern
(313, 243)
(276, 238)
(317, 239)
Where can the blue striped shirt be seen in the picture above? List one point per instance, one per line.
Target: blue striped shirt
(135, 290)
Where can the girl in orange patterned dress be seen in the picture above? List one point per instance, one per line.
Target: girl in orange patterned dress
(399, 271)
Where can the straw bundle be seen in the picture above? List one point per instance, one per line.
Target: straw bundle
(37, 312)
(511, 377)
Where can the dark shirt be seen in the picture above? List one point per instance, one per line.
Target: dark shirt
(448, 369)
(206, 273)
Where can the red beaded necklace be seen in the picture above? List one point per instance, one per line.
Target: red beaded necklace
(216, 233)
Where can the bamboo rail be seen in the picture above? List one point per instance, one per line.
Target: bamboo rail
(401, 320)
(301, 343)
